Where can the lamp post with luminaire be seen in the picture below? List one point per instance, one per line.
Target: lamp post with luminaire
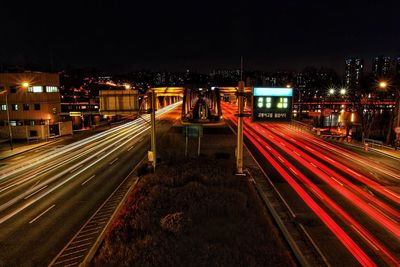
(331, 94)
(384, 85)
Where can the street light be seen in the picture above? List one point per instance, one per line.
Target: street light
(25, 84)
(343, 91)
(382, 84)
(331, 93)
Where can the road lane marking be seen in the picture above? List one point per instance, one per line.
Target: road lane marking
(71, 264)
(295, 173)
(316, 193)
(331, 160)
(363, 236)
(75, 252)
(296, 153)
(384, 214)
(313, 165)
(309, 148)
(392, 193)
(336, 181)
(37, 191)
(100, 154)
(350, 170)
(84, 240)
(41, 214)
(130, 148)
(90, 178)
(79, 246)
(112, 162)
(74, 258)
(71, 171)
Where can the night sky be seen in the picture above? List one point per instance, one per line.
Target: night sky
(121, 36)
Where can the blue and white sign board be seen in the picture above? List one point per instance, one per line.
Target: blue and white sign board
(272, 104)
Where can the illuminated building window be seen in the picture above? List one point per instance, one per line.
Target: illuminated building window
(283, 102)
(3, 107)
(51, 89)
(35, 89)
(14, 107)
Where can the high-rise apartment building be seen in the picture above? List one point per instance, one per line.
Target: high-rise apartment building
(354, 69)
(382, 66)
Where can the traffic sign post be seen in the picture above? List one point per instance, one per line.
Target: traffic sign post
(153, 157)
(193, 131)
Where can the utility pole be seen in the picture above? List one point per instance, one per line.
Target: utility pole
(8, 119)
(153, 130)
(239, 148)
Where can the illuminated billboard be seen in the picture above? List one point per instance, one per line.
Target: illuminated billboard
(272, 104)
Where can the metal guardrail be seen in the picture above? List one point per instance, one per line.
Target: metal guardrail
(373, 142)
(302, 125)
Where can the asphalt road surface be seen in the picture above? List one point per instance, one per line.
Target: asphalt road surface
(348, 200)
(48, 194)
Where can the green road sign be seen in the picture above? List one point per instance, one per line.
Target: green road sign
(194, 130)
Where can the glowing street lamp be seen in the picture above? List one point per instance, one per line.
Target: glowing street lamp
(25, 84)
(288, 85)
(127, 86)
(383, 84)
(331, 91)
(343, 91)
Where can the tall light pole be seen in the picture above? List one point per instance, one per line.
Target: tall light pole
(239, 149)
(384, 85)
(153, 130)
(331, 93)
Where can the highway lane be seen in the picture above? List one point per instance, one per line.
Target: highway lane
(33, 235)
(339, 199)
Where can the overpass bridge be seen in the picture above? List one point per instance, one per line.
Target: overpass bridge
(200, 104)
